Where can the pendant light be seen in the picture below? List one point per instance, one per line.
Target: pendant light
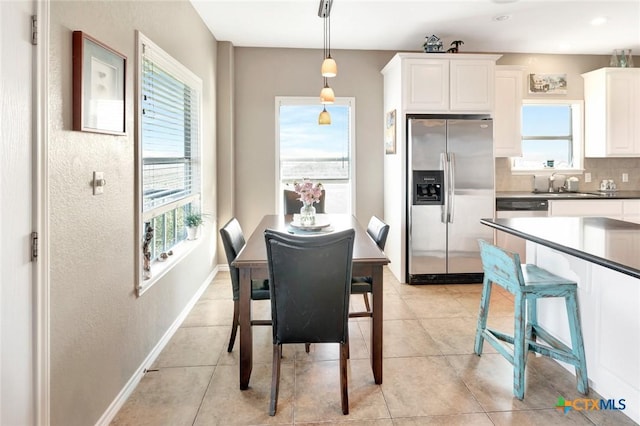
(326, 94)
(329, 67)
(324, 118)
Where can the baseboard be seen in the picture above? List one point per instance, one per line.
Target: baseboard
(224, 267)
(126, 391)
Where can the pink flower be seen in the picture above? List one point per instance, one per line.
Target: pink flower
(308, 192)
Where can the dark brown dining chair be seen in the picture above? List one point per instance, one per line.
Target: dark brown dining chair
(233, 241)
(310, 286)
(293, 205)
(378, 231)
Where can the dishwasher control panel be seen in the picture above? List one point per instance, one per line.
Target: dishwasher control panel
(519, 204)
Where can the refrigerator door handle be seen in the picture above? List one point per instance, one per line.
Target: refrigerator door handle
(444, 208)
(452, 186)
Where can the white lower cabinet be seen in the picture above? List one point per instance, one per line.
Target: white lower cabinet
(627, 210)
(604, 208)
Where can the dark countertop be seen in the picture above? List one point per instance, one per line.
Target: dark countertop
(593, 195)
(611, 243)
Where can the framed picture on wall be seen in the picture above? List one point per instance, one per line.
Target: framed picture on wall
(98, 86)
(390, 132)
(548, 84)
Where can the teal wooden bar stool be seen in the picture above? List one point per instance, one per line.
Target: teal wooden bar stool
(528, 283)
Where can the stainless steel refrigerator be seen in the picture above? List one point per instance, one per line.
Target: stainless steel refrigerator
(451, 187)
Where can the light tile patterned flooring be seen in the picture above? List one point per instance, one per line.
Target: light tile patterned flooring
(431, 376)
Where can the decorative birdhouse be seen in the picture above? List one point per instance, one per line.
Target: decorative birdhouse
(432, 44)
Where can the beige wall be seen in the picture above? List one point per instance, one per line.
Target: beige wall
(100, 331)
(262, 74)
(573, 66)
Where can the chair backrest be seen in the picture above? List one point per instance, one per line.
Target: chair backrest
(378, 230)
(500, 266)
(310, 284)
(293, 205)
(233, 241)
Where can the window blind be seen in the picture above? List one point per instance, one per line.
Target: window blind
(170, 105)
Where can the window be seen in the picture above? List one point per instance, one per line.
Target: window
(321, 153)
(551, 134)
(169, 110)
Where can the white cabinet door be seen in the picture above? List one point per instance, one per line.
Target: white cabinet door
(612, 104)
(631, 211)
(472, 85)
(507, 116)
(583, 208)
(426, 85)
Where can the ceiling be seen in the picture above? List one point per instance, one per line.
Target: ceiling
(529, 26)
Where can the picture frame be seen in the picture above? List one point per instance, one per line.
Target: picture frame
(99, 74)
(390, 132)
(547, 84)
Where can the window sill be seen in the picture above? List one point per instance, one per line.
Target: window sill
(160, 268)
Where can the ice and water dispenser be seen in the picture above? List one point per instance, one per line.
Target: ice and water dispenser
(428, 187)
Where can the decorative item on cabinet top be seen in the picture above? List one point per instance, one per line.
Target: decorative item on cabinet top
(433, 44)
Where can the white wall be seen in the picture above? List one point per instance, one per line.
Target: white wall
(100, 331)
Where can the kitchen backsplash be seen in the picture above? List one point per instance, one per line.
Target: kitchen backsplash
(600, 168)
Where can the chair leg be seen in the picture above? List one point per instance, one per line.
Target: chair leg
(482, 315)
(532, 319)
(307, 347)
(344, 348)
(234, 325)
(275, 378)
(577, 343)
(366, 301)
(520, 346)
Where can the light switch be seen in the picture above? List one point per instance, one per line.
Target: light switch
(625, 177)
(98, 183)
(587, 177)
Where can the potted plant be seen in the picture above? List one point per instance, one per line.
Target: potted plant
(193, 221)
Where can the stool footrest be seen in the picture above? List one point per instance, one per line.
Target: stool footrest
(556, 349)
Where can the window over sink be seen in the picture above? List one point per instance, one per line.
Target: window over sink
(551, 136)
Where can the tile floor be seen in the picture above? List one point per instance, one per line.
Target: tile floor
(431, 376)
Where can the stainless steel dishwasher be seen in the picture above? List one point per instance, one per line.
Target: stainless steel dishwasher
(507, 208)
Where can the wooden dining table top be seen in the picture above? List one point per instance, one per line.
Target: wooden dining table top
(365, 249)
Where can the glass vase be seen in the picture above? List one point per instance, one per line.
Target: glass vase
(629, 59)
(613, 62)
(622, 59)
(307, 214)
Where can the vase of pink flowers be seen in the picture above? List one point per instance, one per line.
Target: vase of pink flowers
(309, 193)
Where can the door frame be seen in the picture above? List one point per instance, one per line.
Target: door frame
(40, 113)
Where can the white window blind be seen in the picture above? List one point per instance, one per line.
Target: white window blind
(170, 123)
(169, 111)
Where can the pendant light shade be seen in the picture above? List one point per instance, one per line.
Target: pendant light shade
(326, 95)
(324, 118)
(329, 68)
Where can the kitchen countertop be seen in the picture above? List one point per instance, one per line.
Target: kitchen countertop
(611, 243)
(592, 195)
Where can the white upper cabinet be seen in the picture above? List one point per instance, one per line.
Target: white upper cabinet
(446, 83)
(507, 116)
(612, 107)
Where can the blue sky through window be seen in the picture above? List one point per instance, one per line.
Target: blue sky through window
(302, 137)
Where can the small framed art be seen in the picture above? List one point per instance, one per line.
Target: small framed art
(548, 84)
(98, 86)
(390, 132)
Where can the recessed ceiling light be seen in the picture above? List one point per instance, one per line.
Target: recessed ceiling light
(600, 20)
(500, 18)
(504, 1)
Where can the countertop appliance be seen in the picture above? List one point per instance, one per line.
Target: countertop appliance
(451, 182)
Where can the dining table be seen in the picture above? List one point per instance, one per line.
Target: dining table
(368, 260)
